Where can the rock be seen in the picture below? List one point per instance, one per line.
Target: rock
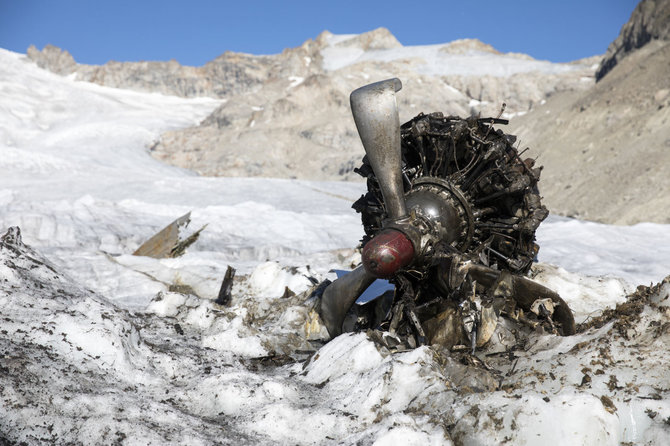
(603, 150)
(661, 95)
(377, 39)
(53, 59)
(650, 20)
(227, 75)
(464, 46)
(12, 237)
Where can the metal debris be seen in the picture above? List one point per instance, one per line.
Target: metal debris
(225, 292)
(168, 242)
(450, 218)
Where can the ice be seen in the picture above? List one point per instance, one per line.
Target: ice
(586, 295)
(98, 346)
(270, 279)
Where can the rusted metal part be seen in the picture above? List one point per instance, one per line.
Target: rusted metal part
(180, 248)
(160, 245)
(526, 293)
(386, 253)
(167, 242)
(225, 292)
(445, 328)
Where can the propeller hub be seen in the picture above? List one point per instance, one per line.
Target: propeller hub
(386, 253)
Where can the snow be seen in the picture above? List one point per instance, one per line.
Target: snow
(639, 254)
(98, 347)
(295, 81)
(436, 60)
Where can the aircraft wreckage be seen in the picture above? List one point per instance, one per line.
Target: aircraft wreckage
(450, 218)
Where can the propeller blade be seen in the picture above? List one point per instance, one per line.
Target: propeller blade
(340, 295)
(376, 115)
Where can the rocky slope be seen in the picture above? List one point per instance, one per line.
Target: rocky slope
(606, 151)
(287, 115)
(301, 126)
(650, 21)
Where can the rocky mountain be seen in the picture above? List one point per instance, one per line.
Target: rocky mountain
(604, 145)
(287, 115)
(606, 150)
(227, 75)
(650, 21)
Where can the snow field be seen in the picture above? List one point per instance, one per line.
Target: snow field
(436, 60)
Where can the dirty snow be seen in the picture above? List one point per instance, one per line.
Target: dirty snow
(100, 347)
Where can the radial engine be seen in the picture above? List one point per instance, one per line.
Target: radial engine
(450, 217)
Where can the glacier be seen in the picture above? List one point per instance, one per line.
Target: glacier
(97, 347)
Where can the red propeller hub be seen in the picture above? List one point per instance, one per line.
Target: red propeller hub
(386, 253)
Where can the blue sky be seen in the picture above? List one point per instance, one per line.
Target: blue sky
(194, 32)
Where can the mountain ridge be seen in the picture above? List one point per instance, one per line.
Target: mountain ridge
(287, 115)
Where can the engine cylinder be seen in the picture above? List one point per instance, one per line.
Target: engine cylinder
(386, 253)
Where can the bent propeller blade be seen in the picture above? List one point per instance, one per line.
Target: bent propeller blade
(376, 115)
(340, 295)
